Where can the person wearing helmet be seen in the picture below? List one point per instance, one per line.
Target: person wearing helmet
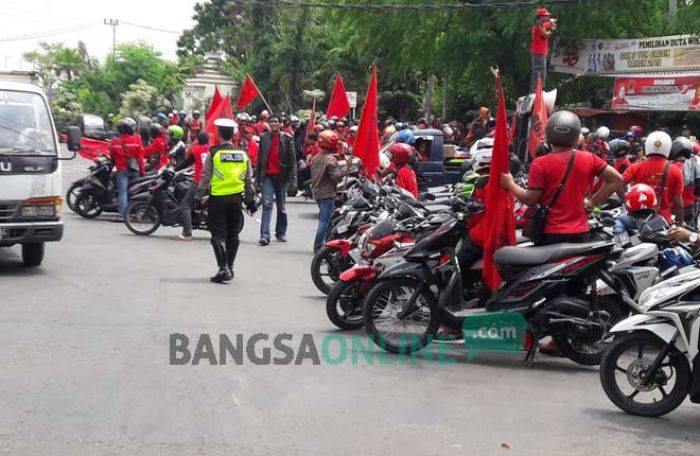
(227, 178)
(173, 118)
(448, 135)
(567, 220)
(401, 157)
(156, 152)
(656, 171)
(275, 174)
(126, 151)
(481, 153)
(196, 156)
(542, 30)
(620, 148)
(263, 126)
(195, 125)
(683, 158)
(405, 136)
(640, 203)
(388, 133)
(176, 144)
(603, 133)
(422, 123)
(325, 175)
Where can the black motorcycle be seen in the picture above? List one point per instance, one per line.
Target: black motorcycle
(160, 205)
(97, 193)
(553, 287)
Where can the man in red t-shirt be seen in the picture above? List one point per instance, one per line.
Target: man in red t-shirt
(651, 172)
(541, 32)
(567, 220)
(275, 173)
(196, 156)
(126, 151)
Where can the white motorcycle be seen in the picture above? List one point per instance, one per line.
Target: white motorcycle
(653, 362)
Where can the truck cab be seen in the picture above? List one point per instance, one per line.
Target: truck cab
(30, 171)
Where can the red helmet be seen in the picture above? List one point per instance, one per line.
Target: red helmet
(637, 130)
(328, 139)
(400, 153)
(696, 148)
(639, 197)
(542, 12)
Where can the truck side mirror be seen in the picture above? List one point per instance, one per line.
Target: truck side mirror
(74, 136)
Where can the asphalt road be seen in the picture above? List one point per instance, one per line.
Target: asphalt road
(85, 366)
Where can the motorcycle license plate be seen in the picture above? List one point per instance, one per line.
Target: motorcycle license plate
(622, 239)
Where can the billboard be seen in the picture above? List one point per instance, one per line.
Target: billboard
(657, 94)
(640, 56)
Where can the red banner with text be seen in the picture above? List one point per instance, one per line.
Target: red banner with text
(657, 94)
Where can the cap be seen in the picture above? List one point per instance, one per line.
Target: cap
(225, 123)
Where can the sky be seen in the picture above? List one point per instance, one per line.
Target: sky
(74, 20)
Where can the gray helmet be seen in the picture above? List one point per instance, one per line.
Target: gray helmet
(563, 128)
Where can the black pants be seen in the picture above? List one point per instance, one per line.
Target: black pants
(225, 223)
(548, 239)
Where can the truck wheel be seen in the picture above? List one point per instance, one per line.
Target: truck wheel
(32, 254)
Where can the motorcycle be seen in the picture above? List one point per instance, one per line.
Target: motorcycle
(653, 362)
(551, 287)
(160, 205)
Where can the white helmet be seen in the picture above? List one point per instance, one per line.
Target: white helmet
(658, 143)
(603, 133)
(585, 131)
(384, 160)
(481, 153)
(447, 130)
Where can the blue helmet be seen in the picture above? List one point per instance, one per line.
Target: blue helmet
(676, 257)
(405, 136)
(161, 117)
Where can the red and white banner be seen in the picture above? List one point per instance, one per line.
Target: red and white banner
(657, 94)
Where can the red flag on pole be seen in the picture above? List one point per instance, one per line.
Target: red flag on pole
(367, 141)
(249, 92)
(538, 119)
(214, 103)
(222, 110)
(90, 149)
(499, 219)
(339, 105)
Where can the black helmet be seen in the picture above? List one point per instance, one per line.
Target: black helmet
(155, 130)
(126, 126)
(681, 147)
(563, 128)
(619, 147)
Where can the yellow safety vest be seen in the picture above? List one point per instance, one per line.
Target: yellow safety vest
(228, 172)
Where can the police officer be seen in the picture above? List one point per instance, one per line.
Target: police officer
(228, 178)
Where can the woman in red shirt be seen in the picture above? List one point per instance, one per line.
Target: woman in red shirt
(126, 151)
(567, 220)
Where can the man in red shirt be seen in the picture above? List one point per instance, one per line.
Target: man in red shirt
(541, 33)
(196, 157)
(263, 125)
(567, 220)
(195, 124)
(657, 170)
(126, 151)
(157, 151)
(275, 173)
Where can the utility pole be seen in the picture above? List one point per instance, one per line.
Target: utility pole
(113, 23)
(672, 7)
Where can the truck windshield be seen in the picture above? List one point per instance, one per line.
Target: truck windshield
(25, 125)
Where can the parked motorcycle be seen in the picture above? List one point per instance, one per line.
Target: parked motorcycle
(653, 362)
(160, 205)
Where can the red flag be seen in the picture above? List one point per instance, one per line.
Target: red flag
(249, 92)
(90, 149)
(367, 142)
(223, 109)
(214, 103)
(339, 105)
(499, 219)
(538, 119)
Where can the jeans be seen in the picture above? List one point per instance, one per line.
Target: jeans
(539, 66)
(274, 189)
(624, 223)
(325, 214)
(186, 206)
(123, 178)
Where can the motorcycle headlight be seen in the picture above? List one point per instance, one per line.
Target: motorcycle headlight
(668, 289)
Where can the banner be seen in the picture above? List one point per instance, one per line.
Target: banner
(657, 94)
(639, 56)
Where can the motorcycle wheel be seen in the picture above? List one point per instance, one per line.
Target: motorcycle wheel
(72, 195)
(618, 370)
(589, 350)
(344, 305)
(387, 327)
(142, 218)
(86, 205)
(326, 268)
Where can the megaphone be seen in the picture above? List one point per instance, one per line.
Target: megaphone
(524, 104)
(550, 99)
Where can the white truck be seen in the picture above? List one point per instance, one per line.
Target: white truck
(30, 170)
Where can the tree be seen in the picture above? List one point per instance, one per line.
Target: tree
(141, 100)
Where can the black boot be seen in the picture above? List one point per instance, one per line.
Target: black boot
(231, 252)
(220, 253)
(222, 276)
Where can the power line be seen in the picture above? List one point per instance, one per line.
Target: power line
(475, 4)
(48, 33)
(155, 29)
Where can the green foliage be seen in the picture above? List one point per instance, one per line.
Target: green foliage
(65, 107)
(141, 100)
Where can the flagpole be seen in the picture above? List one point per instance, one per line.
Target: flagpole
(261, 96)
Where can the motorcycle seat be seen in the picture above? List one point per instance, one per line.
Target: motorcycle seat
(531, 256)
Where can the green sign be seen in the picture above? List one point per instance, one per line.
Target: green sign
(494, 331)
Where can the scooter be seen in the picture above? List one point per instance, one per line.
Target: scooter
(653, 362)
